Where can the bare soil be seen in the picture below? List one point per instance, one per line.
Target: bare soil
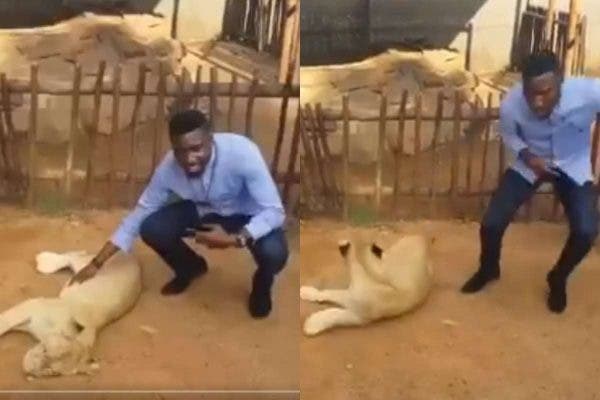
(501, 343)
(205, 339)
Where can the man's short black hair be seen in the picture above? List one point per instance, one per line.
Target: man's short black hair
(186, 121)
(540, 63)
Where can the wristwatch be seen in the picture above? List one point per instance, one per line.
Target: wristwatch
(243, 239)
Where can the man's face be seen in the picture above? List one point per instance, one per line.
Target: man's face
(542, 94)
(192, 151)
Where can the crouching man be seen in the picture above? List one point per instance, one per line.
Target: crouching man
(226, 186)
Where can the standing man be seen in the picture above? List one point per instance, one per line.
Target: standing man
(545, 121)
(225, 184)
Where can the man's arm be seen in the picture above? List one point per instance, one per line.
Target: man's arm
(153, 197)
(262, 188)
(509, 130)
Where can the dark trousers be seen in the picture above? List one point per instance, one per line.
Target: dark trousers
(164, 230)
(580, 207)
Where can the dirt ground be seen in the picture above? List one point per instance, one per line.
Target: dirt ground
(205, 339)
(499, 344)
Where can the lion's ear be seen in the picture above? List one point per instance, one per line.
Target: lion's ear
(344, 246)
(376, 250)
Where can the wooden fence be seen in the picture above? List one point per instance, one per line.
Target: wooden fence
(450, 174)
(19, 171)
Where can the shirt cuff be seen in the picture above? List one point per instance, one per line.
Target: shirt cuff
(257, 229)
(123, 240)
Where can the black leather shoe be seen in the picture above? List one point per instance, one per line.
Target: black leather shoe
(479, 280)
(259, 303)
(180, 283)
(557, 297)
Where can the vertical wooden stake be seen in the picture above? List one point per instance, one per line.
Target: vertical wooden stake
(346, 156)
(280, 130)
(93, 134)
(72, 131)
(197, 86)
(439, 113)
(574, 11)
(231, 111)
(116, 102)
(139, 97)
(485, 142)
(214, 81)
(292, 161)
(399, 147)
(159, 126)
(32, 136)
(455, 144)
(380, 151)
(250, 105)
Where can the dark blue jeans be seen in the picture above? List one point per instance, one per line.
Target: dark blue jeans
(164, 230)
(579, 203)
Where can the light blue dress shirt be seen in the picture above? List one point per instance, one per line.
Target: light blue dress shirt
(236, 181)
(563, 139)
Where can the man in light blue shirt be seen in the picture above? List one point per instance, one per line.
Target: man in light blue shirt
(225, 185)
(545, 122)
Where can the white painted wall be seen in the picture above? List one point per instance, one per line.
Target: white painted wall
(198, 19)
(493, 33)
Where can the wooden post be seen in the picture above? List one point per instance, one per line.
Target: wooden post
(319, 123)
(346, 156)
(174, 19)
(159, 126)
(380, 151)
(32, 136)
(197, 85)
(439, 113)
(231, 111)
(399, 147)
(73, 130)
(214, 80)
(292, 161)
(116, 102)
(7, 164)
(470, 144)
(455, 143)
(485, 142)
(574, 10)
(10, 130)
(550, 17)
(501, 153)
(141, 86)
(290, 26)
(280, 131)
(468, 50)
(93, 134)
(582, 41)
(417, 150)
(250, 105)
(311, 162)
(318, 156)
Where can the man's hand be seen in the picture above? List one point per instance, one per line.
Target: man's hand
(215, 237)
(537, 164)
(86, 273)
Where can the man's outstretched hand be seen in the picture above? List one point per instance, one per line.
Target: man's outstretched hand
(94, 266)
(84, 274)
